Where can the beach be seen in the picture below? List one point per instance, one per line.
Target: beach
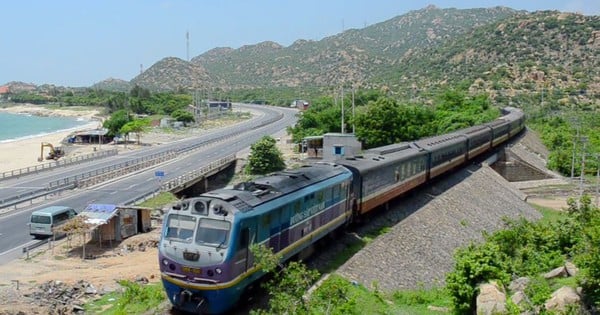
(23, 153)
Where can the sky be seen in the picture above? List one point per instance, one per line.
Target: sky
(81, 42)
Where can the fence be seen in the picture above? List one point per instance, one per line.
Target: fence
(52, 165)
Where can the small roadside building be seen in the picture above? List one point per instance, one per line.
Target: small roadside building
(114, 223)
(340, 145)
(331, 146)
(97, 136)
(312, 146)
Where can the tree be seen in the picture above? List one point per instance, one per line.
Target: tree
(116, 121)
(385, 122)
(137, 126)
(183, 116)
(264, 157)
(288, 285)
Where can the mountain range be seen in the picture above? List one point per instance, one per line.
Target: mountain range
(497, 50)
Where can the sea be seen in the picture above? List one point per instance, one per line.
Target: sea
(15, 127)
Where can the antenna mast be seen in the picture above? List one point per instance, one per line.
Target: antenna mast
(187, 43)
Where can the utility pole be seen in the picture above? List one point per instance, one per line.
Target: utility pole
(353, 117)
(343, 129)
(597, 178)
(581, 189)
(573, 158)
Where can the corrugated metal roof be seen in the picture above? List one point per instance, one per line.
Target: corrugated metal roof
(94, 132)
(99, 213)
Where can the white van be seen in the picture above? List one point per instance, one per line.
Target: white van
(44, 221)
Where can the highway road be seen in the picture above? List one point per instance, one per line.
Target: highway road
(13, 227)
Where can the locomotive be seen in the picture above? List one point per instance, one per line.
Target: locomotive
(204, 253)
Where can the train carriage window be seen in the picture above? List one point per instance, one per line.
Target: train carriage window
(320, 196)
(297, 207)
(266, 220)
(327, 194)
(336, 192)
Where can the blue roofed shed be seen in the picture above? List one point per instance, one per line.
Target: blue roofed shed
(115, 223)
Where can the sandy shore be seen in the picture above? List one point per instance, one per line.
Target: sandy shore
(24, 153)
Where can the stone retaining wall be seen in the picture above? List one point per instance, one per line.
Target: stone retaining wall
(433, 223)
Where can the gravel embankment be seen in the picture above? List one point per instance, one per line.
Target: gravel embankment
(428, 226)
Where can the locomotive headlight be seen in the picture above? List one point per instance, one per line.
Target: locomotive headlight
(218, 271)
(165, 262)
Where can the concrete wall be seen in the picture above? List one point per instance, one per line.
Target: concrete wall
(514, 169)
(348, 143)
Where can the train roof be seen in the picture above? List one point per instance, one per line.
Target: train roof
(250, 194)
(473, 129)
(390, 148)
(377, 157)
(432, 143)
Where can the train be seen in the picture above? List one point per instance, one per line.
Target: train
(205, 259)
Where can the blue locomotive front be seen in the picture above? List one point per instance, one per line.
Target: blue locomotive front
(193, 255)
(204, 253)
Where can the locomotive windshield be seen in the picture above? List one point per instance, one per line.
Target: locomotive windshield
(213, 232)
(180, 228)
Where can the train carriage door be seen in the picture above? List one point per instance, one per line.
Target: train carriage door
(243, 256)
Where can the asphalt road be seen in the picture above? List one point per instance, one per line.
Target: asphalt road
(13, 227)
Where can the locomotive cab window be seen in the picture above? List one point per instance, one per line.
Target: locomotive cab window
(180, 228)
(213, 232)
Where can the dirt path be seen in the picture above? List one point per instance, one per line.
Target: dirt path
(133, 259)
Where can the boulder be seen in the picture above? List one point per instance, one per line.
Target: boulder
(491, 299)
(519, 284)
(556, 273)
(561, 298)
(572, 270)
(519, 298)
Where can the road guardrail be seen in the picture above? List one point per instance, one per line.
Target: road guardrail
(62, 162)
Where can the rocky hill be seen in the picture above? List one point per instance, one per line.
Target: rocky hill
(112, 84)
(550, 51)
(507, 53)
(354, 56)
(172, 74)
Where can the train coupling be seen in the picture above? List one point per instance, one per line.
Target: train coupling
(186, 296)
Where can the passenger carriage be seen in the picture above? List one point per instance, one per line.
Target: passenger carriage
(445, 152)
(385, 173)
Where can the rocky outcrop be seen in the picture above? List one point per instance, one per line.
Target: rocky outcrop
(491, 299)
(561, 298)
(492, 296)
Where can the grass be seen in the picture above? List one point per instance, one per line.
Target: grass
(135, 299)
(340, 296)
(548, 214)
(159, 201)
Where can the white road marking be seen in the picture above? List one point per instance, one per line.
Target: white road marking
(16, 248)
